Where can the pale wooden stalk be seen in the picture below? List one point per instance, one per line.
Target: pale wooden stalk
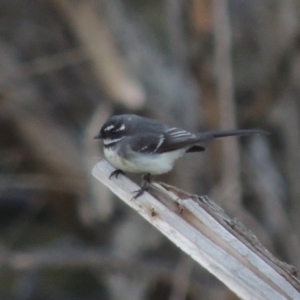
(202, 230)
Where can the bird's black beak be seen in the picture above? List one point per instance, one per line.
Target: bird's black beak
(98, 136)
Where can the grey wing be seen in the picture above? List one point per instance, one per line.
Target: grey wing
(146, 143)
(170, 140)
(175, 138)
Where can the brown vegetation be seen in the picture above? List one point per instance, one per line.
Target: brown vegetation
(65, 65)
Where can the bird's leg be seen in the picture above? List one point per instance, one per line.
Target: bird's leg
(116, 173)
(146, 180)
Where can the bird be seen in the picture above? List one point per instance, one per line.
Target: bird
(136, 144)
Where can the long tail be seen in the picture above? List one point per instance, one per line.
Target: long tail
(206, 136)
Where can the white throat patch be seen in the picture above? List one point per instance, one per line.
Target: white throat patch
(111, 141)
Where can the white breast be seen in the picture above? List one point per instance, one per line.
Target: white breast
(144, 163)
(113, 157)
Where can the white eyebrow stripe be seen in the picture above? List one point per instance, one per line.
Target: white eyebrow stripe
(121, 128)
(109, 127)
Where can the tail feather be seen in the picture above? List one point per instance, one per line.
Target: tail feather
(205, 136)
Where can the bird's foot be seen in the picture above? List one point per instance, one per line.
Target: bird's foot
(140, 192)
(144, 188)
(116, 173)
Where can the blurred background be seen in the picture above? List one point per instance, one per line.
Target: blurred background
(66, 65)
